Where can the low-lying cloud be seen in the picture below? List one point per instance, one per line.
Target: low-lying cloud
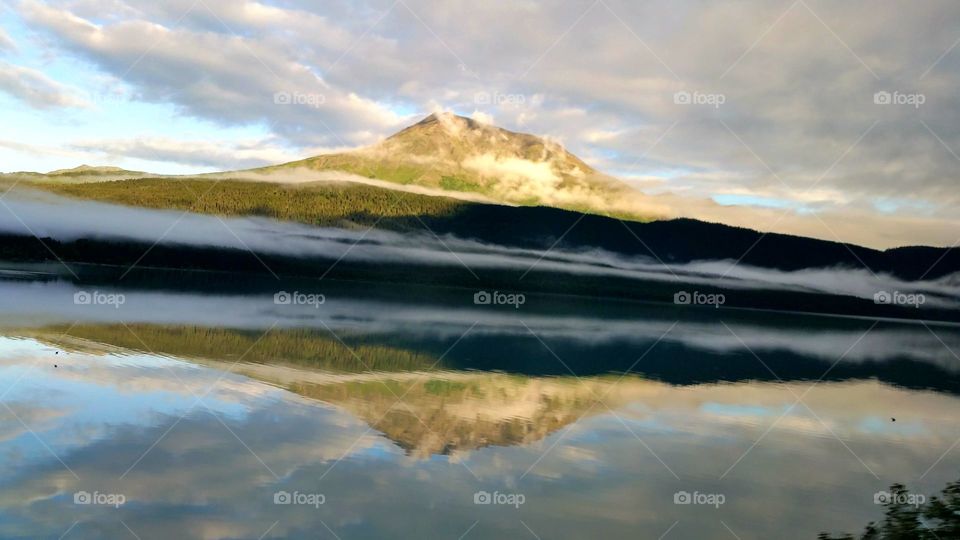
(30, 212)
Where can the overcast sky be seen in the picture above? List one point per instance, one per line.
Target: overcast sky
(784, 113)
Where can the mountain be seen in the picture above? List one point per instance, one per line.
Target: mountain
(93, 170)
(442, 411)
(82, 173)
(458, 154)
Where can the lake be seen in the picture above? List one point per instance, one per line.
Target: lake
(237, 408)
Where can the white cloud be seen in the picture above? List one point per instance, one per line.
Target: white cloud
(231, 79)
(482, 117)
(36, 89)
(6, 42)
(221, 155)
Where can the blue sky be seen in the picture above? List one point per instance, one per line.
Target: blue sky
(112, 108)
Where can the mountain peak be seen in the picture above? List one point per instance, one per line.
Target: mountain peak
(445, 122)
(449, 118)
(450, 152)
(443, 116)
(457, 138)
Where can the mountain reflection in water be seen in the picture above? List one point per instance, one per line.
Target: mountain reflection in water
(394, 411)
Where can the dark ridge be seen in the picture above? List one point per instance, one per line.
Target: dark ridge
(679, 241)
(122, 255)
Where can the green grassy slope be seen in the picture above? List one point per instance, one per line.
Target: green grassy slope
(342, 205)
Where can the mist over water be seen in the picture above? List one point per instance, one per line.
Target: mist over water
(41, 214)
(342, 310)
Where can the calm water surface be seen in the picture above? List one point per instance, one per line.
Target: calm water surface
(222, 414)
